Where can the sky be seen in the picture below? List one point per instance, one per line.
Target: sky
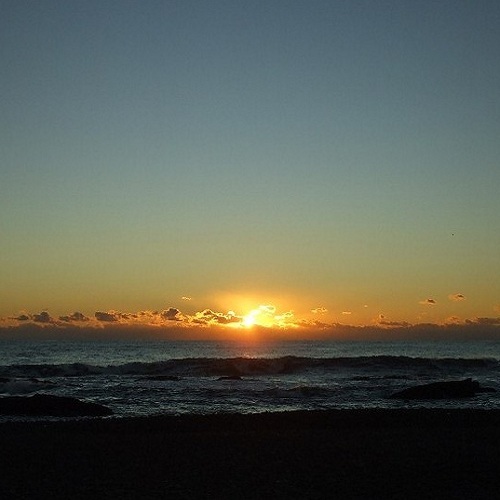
(289, 165)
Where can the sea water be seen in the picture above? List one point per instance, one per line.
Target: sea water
(173, 377)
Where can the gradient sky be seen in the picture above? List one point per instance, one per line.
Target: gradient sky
(341, 157)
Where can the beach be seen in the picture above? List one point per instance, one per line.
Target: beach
(381, 453)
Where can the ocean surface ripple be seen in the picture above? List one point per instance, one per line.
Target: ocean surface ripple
(152, 378)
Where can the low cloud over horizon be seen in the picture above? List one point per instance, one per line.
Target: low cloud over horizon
(264, 320)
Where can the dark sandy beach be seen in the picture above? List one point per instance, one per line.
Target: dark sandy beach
(323, 454)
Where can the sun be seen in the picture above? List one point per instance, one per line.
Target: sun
(264, 315)
(253, 314)
(250, 319)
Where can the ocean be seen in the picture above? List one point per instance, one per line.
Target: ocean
(145, 378)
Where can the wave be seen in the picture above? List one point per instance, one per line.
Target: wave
(243, 366)
(23, 386)
(240, 366)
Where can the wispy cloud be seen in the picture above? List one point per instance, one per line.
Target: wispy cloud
(484, 321)
(395, 324)
(382, 322)
(456, 297)
(283, 318)
(22, 317)
(319, 310)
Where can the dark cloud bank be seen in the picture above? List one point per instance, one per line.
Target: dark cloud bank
(171, 323)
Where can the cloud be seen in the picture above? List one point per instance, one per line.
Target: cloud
(395, 324)
(484, 321)
(106, 317)
(314, 324)
(76, 316)
(172, 324)
(383, 322)
(22, 317)
(43, 317)
(456, 297)
(428, 302)
(265, 316)
(267, 309)
(207, 316)
(319, 310)
(283, 318)
(126, 316)
(186, 298)
(172, 314)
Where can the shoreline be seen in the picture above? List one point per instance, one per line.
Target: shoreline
(369, 453)
(320, 418)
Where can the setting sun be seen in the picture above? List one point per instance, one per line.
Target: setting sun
(249, 320)
(278, 224)
(238, 236)
(265, 315)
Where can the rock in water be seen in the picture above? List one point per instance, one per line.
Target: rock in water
(442, 390)
(49, 405)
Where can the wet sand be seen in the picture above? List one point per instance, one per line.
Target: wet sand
(372, 454)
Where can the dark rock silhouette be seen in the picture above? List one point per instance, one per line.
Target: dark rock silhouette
(443, 390)
(49, 405)
(230, 377)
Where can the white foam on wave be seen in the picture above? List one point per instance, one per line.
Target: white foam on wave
(240, 366)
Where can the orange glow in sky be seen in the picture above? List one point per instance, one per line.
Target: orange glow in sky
(314, 168)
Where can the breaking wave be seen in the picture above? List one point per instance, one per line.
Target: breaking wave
(241, 366)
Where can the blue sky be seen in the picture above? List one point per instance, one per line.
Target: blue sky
(331, 154)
